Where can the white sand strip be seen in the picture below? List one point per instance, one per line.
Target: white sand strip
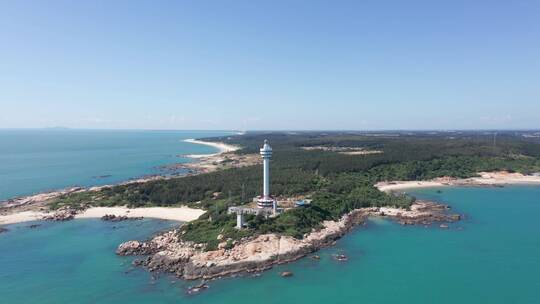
(222, 147)
(402, 185)
(183, 214)
(485, 178)
(21, 217)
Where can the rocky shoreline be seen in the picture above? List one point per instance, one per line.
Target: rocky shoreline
(119, 218)
(62, 214)
(168, 253)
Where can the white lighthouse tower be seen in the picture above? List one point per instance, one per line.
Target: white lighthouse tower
(266, 200)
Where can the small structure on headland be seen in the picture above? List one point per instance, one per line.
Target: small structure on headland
(302, 203)
(241, 211)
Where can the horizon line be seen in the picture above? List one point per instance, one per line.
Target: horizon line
(273, 130)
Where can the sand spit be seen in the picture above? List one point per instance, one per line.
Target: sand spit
(223, 147)
(21, 217)
(345, 150)
(182, 214)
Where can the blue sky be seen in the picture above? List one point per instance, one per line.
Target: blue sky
(360, 65)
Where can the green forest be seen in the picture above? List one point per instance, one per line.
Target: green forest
(337, 183)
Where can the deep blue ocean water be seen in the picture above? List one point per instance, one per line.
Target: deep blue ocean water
(37, 160)
(493, 256)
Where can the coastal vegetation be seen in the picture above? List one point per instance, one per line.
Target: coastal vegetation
(337, 182)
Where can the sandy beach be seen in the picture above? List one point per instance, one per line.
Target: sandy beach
(182, 214)
(21, 217)
(223, 147)
(484, 179)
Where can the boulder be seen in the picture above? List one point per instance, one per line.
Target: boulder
(340, 257)
(197, 288)
(65, 213)
(455, 217)
(114, 218)
(129, 248)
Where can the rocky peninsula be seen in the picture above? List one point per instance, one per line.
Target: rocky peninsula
(187, 260)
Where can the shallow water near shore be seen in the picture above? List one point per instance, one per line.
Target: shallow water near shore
(490, 257)
(38, 160)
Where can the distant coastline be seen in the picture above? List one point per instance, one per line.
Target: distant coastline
(222, 147)
(63, 158)
(33, 207)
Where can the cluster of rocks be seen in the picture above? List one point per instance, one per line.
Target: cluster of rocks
(168, 253)
(65, 213)
(429, 219)
(118, 218)
(2, 230)
(160, 242)
(421, 213)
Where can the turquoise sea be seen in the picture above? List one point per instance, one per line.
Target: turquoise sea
(493, 256)
(38, 160)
